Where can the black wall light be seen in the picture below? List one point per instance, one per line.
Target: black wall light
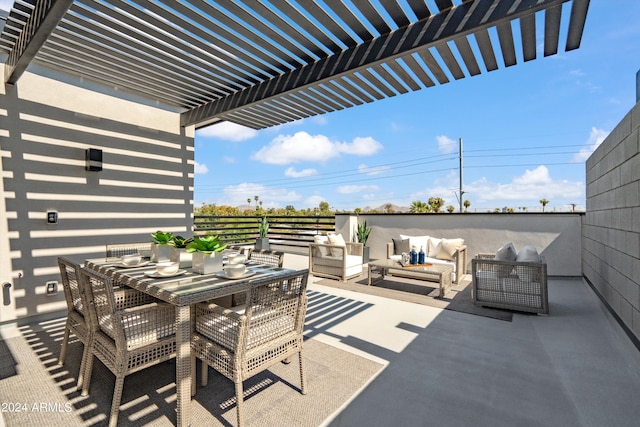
(94, 160)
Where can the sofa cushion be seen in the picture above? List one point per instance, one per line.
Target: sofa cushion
(506, 253)
(324, 251)
(337, 240)
(417, 242)
(528, 254)
(448, 248)
(434, 247)
(400, 246)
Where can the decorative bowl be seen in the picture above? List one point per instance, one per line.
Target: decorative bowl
(131, 260)
(234, 270)
(167, 268)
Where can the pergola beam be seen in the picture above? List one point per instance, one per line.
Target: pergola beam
(43, 20)
(436, 30)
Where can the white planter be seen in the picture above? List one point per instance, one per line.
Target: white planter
(181, 256)
(206, 263)
(262, 244)
(160, 253)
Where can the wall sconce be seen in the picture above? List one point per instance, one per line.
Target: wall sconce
(94, 160)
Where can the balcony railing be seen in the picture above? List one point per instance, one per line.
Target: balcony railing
(295, 231)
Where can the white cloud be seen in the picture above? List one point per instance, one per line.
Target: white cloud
(373, 170)
(351, 189)
(595, 139)
(446, 145)
(235, 195)
(531, 186)
(200, 168)
(291, 172)
(313, 201)
(301, 146)
(228, 131)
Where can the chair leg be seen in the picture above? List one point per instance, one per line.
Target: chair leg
(239, 402)
(117, 397)
(204, 373)
(303, 378)
(86, 355)
(193, 374)
(65, 342)
(88, 370)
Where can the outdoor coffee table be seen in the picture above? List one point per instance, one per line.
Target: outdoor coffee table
(439, 273)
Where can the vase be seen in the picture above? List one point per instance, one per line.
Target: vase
(203, 263)
(262, 244)
(181, 256)
(160, 253)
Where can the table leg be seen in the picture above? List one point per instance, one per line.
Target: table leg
(183, 365)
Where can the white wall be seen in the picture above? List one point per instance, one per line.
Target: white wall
(146, 183)
(557, 236)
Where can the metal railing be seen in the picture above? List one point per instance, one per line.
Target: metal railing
(296, 231)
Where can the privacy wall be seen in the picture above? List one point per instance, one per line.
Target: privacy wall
(145, 183)
(611, 235)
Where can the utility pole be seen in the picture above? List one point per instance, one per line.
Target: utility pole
(461, 192)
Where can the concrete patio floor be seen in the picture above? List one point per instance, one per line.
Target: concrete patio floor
(575, 367)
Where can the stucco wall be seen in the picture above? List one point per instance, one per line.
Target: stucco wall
(146, 184)
(557, 236)
(611, 249)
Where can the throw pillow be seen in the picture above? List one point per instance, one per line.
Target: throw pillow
(434, 247)
(417, 242)
(528, 254)
(448, 248)
(506, 253)
(324, 251)
(400, 246)
(337, 240)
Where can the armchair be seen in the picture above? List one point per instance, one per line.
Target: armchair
(335, 261)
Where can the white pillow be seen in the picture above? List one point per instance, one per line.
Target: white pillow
(417, 242)
(448, 247)
(434, 247)
(337, 240)
(528, 254)
(324, 251)
(506, 253)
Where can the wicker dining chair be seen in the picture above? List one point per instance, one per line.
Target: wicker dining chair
(125, 340)
(242, 343)
(244, 250)
(120, 249)
(274, 258)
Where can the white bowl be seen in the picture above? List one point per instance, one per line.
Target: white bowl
(167, 268)
(130, 260)
(234, 270)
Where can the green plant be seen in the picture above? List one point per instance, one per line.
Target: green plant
(362, 232)
(206, 244)
(161, 238)
(179, 242)
(263, 228)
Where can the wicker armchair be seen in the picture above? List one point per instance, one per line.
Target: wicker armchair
(242, 343)
(118, 250)
(125, 340)
(520, 286)
(274, 258)
(335, 261)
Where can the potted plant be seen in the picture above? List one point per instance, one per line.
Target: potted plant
(179, 254)
(262, 242)
(362, 234)
(205, 254)
(160, 250)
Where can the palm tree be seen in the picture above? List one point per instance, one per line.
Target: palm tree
(419, 207)
(451, 208)
(466, 204)
(436, 203)
(388, 208)
(543, 202)
(249, 201)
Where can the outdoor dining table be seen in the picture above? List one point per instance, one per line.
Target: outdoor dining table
(183, 291)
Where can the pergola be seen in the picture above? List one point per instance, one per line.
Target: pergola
(264, 63)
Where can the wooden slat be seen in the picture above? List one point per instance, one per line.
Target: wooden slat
(505, 36)
(433, 66)
(552, 17)
(486, 50)
(372, 15)
(468, 56)
(418, 70)
(389, 79)
(579, 10)
(395, 11)
(350, 19)
(528, 36)
(403, 75)
(420, 8)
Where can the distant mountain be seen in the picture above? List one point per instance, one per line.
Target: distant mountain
(383, 208)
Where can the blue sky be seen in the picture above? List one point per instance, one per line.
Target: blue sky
(526, 132)
(526, 129)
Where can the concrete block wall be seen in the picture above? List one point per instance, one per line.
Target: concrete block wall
(611, 231)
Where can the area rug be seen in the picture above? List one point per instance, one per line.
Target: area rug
(47, 396)
(421, 292)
